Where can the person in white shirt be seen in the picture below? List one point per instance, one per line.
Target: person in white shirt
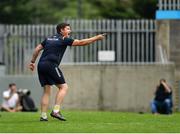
(11, 99)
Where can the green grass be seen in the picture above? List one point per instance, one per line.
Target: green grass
(90, 121)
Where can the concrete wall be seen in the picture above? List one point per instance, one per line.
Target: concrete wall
(2, 70)
(163, 38)
(168, 33)
(105, 87)
(175, 43)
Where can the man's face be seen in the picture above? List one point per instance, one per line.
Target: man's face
(66, 31)
(13, 88)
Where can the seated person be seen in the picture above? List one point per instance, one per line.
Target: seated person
(11, 99)
(162, 102)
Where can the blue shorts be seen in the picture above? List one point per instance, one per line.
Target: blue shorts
(49, 74)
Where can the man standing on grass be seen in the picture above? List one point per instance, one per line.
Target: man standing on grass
(48, 71)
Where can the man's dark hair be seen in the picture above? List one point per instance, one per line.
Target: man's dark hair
(61, 26)
(164, 80)
(12, 84)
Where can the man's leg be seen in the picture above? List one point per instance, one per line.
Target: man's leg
(61, 93)
(154, 107)
(18, 108)
(45, 101)
(167, 103)
(58, 101)
(3, 108)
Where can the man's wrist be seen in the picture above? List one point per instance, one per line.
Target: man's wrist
(96, 37)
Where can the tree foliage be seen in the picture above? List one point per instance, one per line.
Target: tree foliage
(53, 11)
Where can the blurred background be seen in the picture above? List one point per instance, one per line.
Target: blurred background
(119, 73)
(54, 11)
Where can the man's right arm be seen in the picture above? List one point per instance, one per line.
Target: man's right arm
(36, 52)
(167, 87)
(6, 95)
(88, 41)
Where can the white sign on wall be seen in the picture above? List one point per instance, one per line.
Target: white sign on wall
(106, 56)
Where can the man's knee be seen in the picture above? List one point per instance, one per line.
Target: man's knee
(167, 101)
(152, 102)
(63, 87)
(47, 89)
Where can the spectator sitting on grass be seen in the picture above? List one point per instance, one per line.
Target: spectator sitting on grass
(162, 103)
(11, 99)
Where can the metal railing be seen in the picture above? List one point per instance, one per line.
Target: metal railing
(133, 41)
(169, 4)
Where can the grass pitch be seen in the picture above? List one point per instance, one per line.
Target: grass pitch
(90, 121)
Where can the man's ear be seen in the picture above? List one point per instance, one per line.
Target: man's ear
(61, 31)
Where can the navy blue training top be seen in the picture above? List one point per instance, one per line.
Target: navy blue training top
(54, 48)
(161, 94)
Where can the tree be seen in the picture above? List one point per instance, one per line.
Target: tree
(145, 8)
(54, 11)
(126, 9)
(31, 11)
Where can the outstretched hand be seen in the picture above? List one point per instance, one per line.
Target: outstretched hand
(104, 34)
(101, 36)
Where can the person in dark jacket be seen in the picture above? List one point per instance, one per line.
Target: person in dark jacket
(162, 102)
